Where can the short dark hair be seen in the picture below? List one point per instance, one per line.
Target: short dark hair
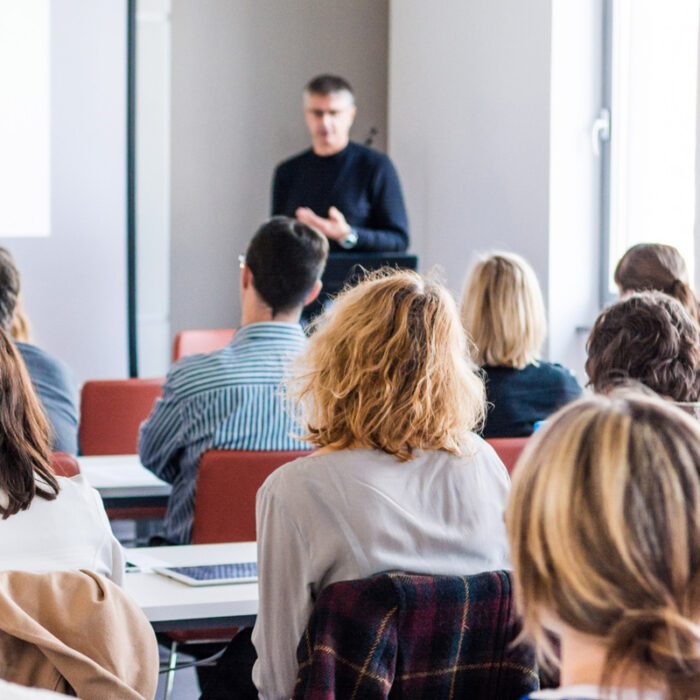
(650, 338)
(327, 84)
(286, 258)
(9, 288)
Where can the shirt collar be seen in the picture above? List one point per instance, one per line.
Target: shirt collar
(267, 330)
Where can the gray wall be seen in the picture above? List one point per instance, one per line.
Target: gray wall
(238, 68)
(74, 281)
(484, 127)
(469, 127)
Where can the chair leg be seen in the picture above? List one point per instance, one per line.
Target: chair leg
(172, 663)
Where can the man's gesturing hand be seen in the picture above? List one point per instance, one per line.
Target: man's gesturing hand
(334, 227)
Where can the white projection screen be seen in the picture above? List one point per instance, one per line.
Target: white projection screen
(25, 139)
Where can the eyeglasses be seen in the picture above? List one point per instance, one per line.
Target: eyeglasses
(241, 261)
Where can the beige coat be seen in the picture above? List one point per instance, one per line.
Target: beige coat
(77, 633)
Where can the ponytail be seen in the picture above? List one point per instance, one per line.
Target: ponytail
(681, 290)
(662, 644)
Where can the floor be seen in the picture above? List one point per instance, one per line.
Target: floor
(185, 686)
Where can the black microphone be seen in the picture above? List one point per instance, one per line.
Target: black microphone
(370, 137)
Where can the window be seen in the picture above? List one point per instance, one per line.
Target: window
(649, 186)
(25, 187)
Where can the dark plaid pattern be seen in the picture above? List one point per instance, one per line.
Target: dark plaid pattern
(398, 635)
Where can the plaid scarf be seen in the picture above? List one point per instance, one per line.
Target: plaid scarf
(410, 636)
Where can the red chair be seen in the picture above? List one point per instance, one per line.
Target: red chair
(227, 481)
(64, 464)
(111, 412)
(508, 449)
(194, 341)
(224, 511)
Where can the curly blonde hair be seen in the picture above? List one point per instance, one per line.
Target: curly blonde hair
(387, 368)
(503, 311)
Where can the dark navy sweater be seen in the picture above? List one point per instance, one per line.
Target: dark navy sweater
(359, 181)
(519, 397)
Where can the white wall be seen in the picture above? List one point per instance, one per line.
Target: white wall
(574, 223)
(469, 127)
(697, 188)
(74, 281)
(153, 186)
(238, 69)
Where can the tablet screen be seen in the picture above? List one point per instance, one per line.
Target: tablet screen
(210, 574)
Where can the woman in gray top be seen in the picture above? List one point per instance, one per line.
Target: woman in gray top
(398, 481)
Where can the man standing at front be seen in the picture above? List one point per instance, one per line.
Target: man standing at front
(231, 398)
(350, 193)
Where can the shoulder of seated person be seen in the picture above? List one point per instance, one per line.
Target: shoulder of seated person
(561, 369)
(31, 349)
(77, 481)
(190, 364)
(291, 473)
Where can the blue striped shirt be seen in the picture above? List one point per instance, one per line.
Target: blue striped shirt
(229, 399)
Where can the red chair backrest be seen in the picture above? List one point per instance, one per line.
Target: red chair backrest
(194, 341)
(111, 412)
(508, 449)
(227, 481)
(64, 464)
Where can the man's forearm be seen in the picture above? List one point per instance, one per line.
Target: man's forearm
(380, 240)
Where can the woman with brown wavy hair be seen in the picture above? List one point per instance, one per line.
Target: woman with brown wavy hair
(604, 529)
(48, 522)
(398, 480)
(649, 338)
(654, 266)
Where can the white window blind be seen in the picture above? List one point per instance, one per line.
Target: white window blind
(653, 127)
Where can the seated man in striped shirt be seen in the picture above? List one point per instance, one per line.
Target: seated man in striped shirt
(231, 398)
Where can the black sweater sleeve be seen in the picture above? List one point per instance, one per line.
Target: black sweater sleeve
(279, 186)
(387, 229)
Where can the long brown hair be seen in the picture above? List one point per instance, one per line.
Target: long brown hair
(25, 469)
(649, 266)
(604, 530)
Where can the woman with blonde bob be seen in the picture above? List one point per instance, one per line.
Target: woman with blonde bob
(503, 313)
(604, 529)
(398, 479)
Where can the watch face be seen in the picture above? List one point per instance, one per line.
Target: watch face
(350, 240)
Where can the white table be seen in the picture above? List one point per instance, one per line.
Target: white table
(169, 604)
(122, 481)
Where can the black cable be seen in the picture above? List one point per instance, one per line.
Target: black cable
(189, 664)
(131, 185)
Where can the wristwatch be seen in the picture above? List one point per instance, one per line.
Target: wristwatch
(350, 241)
